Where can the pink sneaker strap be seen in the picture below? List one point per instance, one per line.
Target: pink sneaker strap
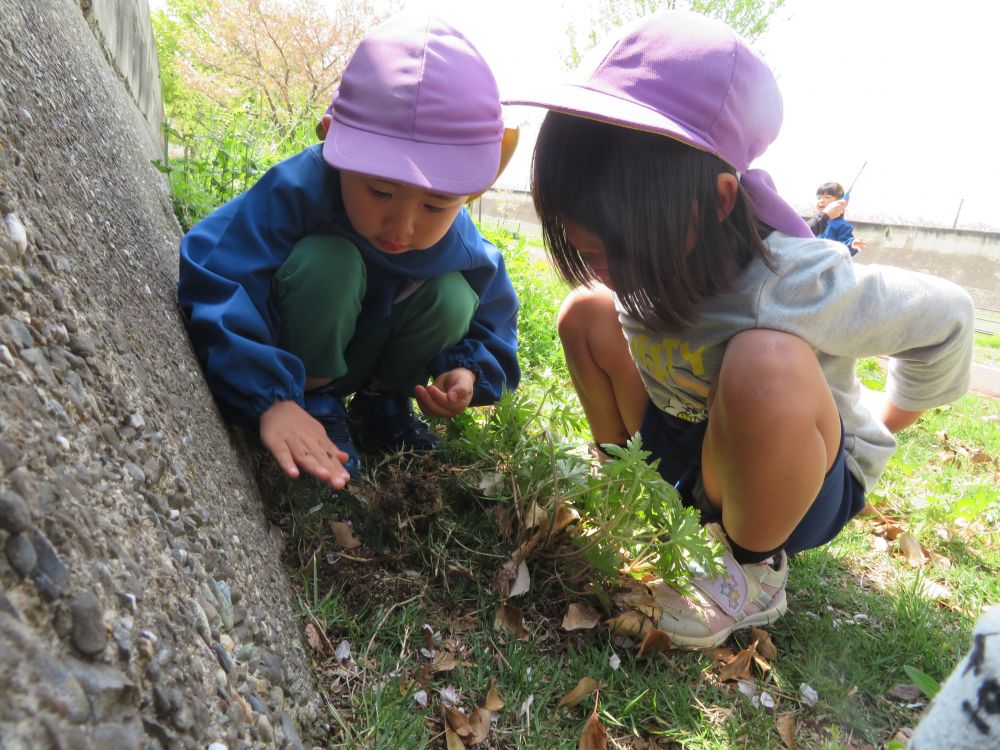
(728, 590)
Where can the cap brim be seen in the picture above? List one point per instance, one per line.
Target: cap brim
(443, 168)
(573, 99)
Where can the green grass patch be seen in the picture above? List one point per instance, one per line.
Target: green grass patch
(987, 349)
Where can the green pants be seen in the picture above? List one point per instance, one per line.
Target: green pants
(319, 293)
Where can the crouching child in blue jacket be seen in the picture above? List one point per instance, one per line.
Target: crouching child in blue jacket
(353, 268)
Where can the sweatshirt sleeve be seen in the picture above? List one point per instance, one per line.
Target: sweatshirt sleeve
(817, 224)
(489, 349)
(924, 324)
(227, 262)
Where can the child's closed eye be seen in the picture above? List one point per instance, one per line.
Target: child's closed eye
(379, 193)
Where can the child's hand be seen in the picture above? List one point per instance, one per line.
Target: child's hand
(297, 440)
(448, 395)
(836, 209)
(859, 244)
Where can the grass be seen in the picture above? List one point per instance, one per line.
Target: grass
(987, 351)
(417, 601)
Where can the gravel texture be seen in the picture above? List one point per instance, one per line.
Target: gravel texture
(143, 602)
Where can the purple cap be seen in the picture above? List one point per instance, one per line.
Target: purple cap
(417, 104)
(692, 78)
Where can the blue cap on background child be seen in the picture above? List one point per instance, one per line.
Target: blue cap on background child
(418, 104)
(694, 79)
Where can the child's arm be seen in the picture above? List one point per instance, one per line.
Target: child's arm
(489, 349)
(227, 262)
(924, 324)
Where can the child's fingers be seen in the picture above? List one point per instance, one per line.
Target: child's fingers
(433, 401)
(283, 455)
(323, 460)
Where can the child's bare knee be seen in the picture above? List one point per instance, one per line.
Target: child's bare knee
(582, 311)
(764, 370)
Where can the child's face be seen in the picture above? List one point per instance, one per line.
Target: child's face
(824, 199)
(591, 249)
(395, 217)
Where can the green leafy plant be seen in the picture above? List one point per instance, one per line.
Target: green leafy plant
(927, 684)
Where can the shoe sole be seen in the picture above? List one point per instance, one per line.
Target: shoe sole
(765, 617)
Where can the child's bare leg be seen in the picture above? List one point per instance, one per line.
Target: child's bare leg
(605, 377)
(773, 433)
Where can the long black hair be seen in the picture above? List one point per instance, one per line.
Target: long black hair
(647, 197)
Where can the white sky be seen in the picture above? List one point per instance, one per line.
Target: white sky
(911, 87)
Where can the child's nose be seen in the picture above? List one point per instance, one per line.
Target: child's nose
(401, 222)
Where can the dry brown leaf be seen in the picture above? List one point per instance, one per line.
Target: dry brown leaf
(631, 624)
(510, 620)
(580, 617)
(584, 687)
(493, 700)
(479, 723)
(443, 662)
(786, 730)
(980, 457)
(934, 591)
(534, 516)
(594, 736)
(565, 515)
(344, 535)
(722, 653)
(656, 640)
(910, 548)
(738, 668)
(641, 601)
(313, 637)
(452, 740)
(458, 722)
(763, 664)
(888, 530)
(765, 646)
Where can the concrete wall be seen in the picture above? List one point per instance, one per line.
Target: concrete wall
(969, 258)
(124, 32)
(143, 603)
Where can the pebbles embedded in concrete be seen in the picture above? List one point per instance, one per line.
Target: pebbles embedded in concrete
(50, 574)
(15, 516)
(21, 554)
(88, 636)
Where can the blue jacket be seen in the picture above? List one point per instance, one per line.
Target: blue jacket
(228, 259)
(839, 230)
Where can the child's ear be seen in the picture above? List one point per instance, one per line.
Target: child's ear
(507, 146)
(728, 186)
(323, 126)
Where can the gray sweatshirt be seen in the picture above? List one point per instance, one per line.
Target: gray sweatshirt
(845, 311)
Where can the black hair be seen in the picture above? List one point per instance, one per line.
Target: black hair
(646, 197)
(831, 188)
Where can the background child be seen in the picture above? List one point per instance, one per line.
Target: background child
(817, 223)
(741, 331)
(353, 267)
(830, 223)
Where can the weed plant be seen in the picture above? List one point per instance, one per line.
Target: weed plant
(215, 156)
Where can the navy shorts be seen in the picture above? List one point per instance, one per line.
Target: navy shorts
(677, 443)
